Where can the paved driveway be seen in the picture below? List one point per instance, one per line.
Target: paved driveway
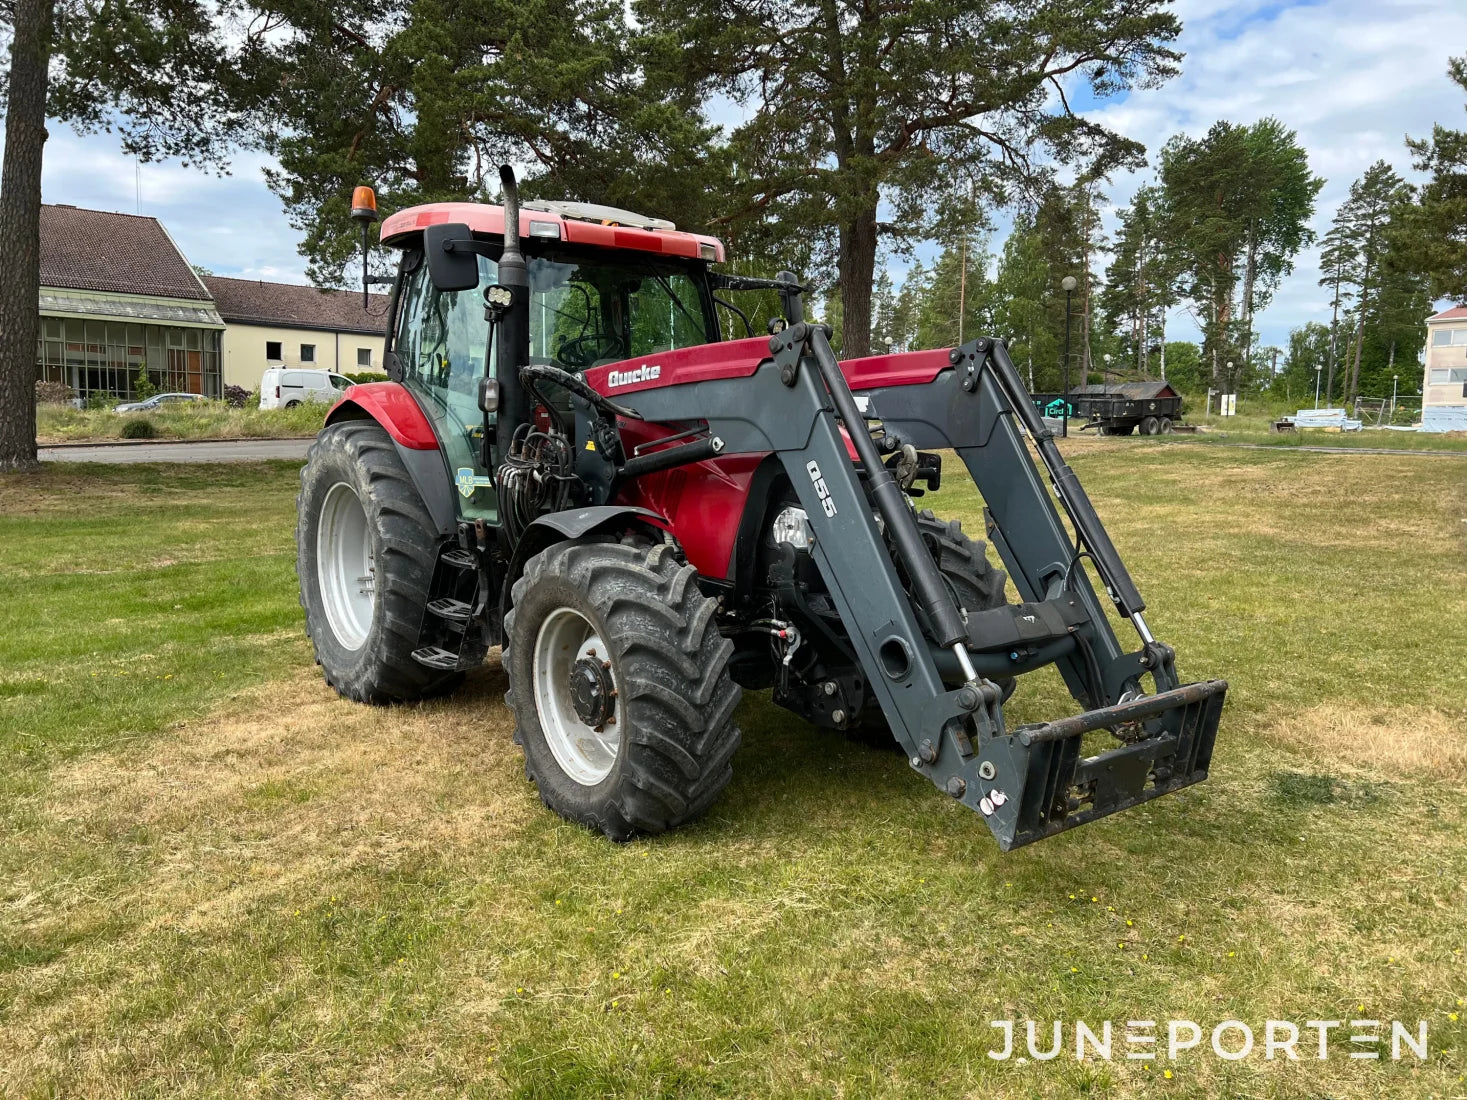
(208, 450)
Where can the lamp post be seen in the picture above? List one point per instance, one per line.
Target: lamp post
(1068, 284)
(1222, 398)
(1393, 397)
(1105, 374)
(1316, 387)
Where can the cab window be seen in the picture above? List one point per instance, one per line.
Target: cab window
(443, 338)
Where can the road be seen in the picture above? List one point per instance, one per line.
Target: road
(208, 450)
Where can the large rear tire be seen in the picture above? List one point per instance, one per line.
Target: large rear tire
(619, 684)
(365, 551)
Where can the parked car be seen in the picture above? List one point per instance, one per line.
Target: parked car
(287, 387)
(157, 402)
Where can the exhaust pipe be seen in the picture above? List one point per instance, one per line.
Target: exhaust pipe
(513, 335)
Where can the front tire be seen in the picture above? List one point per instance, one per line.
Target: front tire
(365, 551)
(618, 680)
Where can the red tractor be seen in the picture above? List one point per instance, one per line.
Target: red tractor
(569, 462)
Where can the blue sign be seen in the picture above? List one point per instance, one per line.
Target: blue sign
(468, 481)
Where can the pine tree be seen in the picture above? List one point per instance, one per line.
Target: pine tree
(1140, 283)
(1375, 198)
(1022, 289)
(157, 73)
(883, 313)
(1338, 266)
(858, 106)
(957, 302)
(1240, 200)
(425, 100)
(908, 305)
(1434, 232)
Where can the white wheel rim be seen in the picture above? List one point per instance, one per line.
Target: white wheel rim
(344, 566)
(584, 753)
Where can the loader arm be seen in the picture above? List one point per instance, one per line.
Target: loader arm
(1027, 783)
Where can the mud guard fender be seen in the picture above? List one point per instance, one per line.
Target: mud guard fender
(392, 406)
(573, 523)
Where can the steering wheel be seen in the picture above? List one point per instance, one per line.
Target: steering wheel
(582, 351)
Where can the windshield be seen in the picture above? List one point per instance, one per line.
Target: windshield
(587, 312)
(584, 311)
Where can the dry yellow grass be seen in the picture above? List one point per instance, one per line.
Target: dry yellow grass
(1400, 742)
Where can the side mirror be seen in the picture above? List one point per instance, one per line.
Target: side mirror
(450, 267)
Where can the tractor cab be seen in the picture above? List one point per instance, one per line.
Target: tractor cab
(605, 285)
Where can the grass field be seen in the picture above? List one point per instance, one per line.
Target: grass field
(219, 879)
(204, 420)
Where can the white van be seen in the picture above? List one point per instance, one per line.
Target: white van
(286, 387)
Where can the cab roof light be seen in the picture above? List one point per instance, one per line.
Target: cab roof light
(545, 229)
(707, 252)
(363, 205)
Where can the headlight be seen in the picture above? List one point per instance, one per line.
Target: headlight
(792, 527)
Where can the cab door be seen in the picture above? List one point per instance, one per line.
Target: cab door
(442, 344)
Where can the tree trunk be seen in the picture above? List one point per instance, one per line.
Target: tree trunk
(1334, 328)
(856, 269)
(1162, 323)
(1250, 275)
(1354, 389)
(20, 229)
(1085, 293)
(962, 285)
(1360, 324)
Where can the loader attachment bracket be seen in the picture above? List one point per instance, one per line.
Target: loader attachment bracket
(1041, 785)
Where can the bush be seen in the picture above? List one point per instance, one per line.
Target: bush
(236, 397)
(53, 393)
(142, 386)
(139, 427)
(365, 376)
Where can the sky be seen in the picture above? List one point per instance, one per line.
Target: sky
(1352, 77)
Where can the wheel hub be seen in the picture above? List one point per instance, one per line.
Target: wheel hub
(346, 572)
(576, 696)
(591, 692)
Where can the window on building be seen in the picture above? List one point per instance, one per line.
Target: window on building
(1449, 375)
(273, 351)
(1443, 338)
(364, 357)
(308, 353)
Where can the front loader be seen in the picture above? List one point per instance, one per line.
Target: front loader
(569, 462)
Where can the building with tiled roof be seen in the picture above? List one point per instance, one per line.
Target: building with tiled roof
(286, 325)
(119, 300)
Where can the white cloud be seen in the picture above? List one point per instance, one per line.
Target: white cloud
(1353, 77)
(232, 225)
